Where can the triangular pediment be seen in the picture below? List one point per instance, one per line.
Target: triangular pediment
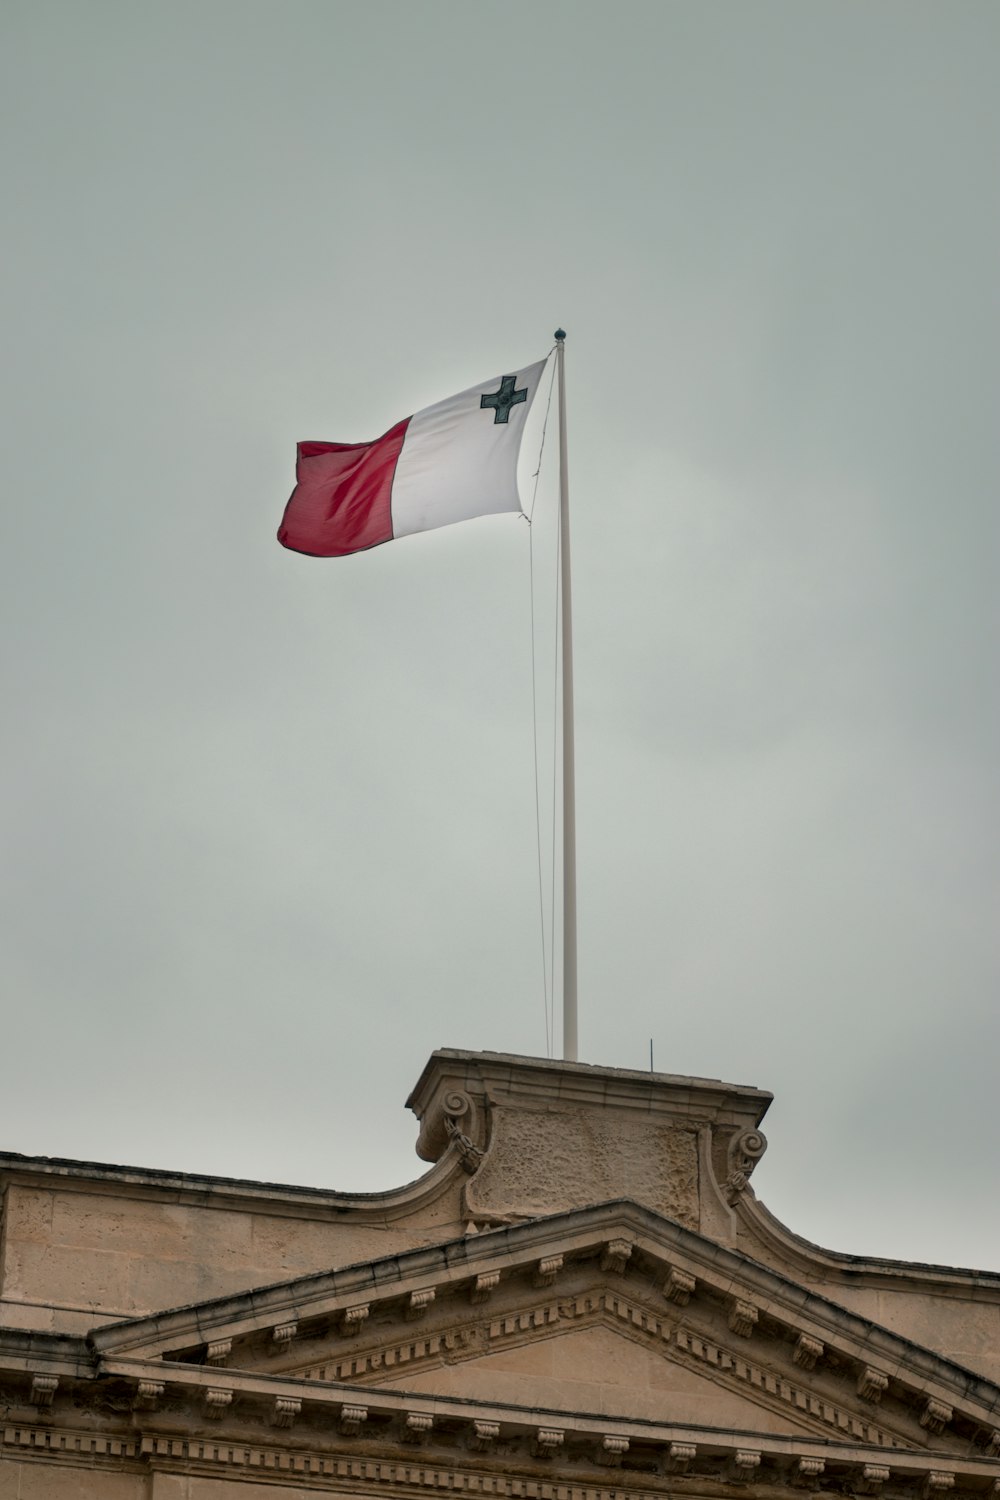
(613, 1310)
(608, 1346)
(599, 1369)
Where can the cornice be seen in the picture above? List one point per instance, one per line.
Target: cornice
(199, 1190)
(620, 1240)
(498, 1079)
(33, 1353)
(833, 1266)
(675, 1338)
(383, 1440)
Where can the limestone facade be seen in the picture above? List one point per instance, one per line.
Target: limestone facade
(581, 1299)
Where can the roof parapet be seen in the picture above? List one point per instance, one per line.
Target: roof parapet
(537, 1135)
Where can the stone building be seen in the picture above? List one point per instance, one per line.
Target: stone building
(582, 1299)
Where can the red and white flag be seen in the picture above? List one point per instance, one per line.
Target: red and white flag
(449, 462)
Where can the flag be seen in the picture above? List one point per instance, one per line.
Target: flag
(449, 462)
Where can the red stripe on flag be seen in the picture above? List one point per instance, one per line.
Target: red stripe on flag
(342, 498)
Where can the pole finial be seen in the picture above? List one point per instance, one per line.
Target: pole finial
(560, 334)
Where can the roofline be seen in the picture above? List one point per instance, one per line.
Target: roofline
(455, 1260)
(274, 1197)
(563, 1078)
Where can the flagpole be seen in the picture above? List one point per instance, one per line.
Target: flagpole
(569, 762)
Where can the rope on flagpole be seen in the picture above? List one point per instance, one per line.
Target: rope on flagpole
(548, 980)
(529, 515)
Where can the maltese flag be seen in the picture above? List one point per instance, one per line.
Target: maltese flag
(449, 462)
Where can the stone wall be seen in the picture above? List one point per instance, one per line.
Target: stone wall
(76, 1252)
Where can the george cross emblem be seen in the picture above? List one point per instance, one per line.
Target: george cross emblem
(502, 400)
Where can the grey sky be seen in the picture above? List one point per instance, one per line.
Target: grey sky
(269, 822)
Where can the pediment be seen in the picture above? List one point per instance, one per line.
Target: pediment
(606, 1343)
(600, 1369)
(612, 1310)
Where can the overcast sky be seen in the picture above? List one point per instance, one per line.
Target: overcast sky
(269, 822)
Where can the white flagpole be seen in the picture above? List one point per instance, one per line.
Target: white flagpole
(569, 764)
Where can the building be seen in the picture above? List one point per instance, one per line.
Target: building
(582, 1299)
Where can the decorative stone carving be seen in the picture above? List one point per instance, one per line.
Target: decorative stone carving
(43, 1388)
(716, 1358)
(457, 1105)
(807, 1351)
(742, 1317)
(484, 1436)
(615, 1255)
(353, 1318)
(680, 1457)
(452, 1121)
(746, 1462)
(148, 1395)
(484, 1285)
(745, 1151)
(283, 1334)
(873, 1477)
(375, 1475)
(543, 1160)
(993, 1443)
(409, 1350)
(613, 1450)
(548, 1269)
(935, 1416)
(808, 1471)
(419, 1303)
(286, 1409)
(470, 1155)
(218, 1351)
(417, 1425)
(217, 1401)
(872, 1384)
(679, 1287)
(548, 1440)
(352, 1419)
